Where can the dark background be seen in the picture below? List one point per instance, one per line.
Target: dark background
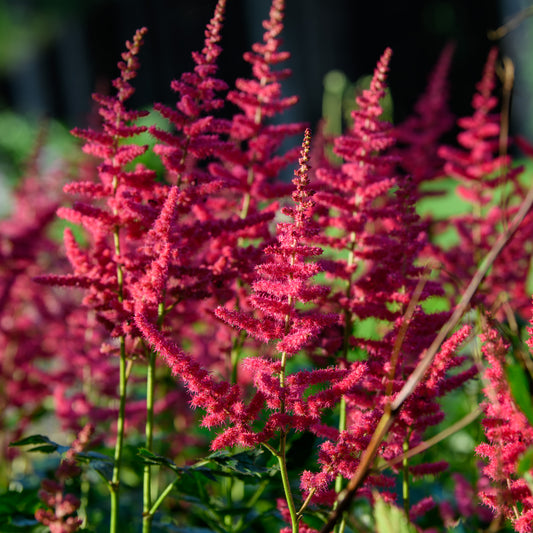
(55, 53)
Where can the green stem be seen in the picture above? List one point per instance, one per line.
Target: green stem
(342, 427)
(348, 326)
(282, 456)
(149, 429)
(339, 481)
(84, 499)
(147, 474)
(405, 480)
(115, 480)
(162, 496)
(235, 355)
(119, 444)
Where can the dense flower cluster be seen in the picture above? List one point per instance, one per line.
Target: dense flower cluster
(195, 305)
(384, 238)
(481, 169)
(509, 435)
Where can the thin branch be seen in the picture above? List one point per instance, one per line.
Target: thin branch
(400, 337)
(423, 446)
(511, 24)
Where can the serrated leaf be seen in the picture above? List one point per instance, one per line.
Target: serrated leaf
(44, 444)
(150, 458)
(391, 519)
(104, 468)
(518, 382)
(93, 456)
(243, 463)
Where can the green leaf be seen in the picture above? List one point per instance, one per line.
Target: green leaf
(43, 444)
(391, 519)
(150, 458)
(242, 463)
(519, 385)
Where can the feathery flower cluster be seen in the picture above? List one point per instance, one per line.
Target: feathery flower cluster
(480, 169)
(253, 165)
(197, 130)
(383, 233)
(283, 283)
(106, 271)
(509, 435)
(32, 319)
(172, 267)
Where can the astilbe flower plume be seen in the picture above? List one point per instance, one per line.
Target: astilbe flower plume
(252, 166)
(481, 169)
(48, 343)
(283, 284)
(350, 191)
(384, 237)
(33, 319)
(211, 266)
(509, 435)
(203, 255)
(197, 134)
(121, 205)
(116, 217)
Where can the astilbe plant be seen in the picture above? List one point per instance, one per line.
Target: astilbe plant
(182, 274)
(197, 132)
(482, 168)
(376, 224)
(282, 285)
(118, 215)
(509, 435)
(252, 167)
(207, 234)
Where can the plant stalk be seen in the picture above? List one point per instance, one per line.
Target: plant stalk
(147, 473)
(119, 444)
(149, 429)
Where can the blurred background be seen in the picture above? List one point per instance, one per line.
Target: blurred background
(55, 53)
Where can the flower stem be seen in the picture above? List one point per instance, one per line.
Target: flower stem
(281, 455)
(115, 481)
(119, 444)
(348, 327)
(405, 481)
(162, 496)
(149, 430)
(147, 474)
(339, 482)
(285, 480)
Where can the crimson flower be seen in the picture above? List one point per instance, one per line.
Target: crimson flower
(509, 435)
